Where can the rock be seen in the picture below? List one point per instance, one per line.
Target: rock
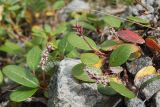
(150, 8)
(75, 5)
(157, 99)
(151, 88)
(136, 65)
(4, 104)
(139, 82)
(135, 102)
(65, 91)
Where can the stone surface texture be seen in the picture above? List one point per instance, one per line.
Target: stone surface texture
(65, 91)
(136, 65)
(74, 5)
(150, 6)
(135, 102)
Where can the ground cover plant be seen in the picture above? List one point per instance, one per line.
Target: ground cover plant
(33, 40)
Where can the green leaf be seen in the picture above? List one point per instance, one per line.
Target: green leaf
(107, 44)
(38, 32)
(106, 90)
(2, 31)
(121, 89)
(138, 19)
(89, 58)
(20, 76)
(46, 94)
(37, 5)
(10, 47)
(33, 57)
(80, 43)
(22, 93)
(73, 54)
(47, 28)
(61, 28)
(79, 73)
(14, 8)
(1, 77)
(58, 4)
(112, 21)
(64, 46)
(121, 54)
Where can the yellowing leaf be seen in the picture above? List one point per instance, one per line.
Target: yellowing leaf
(116, 79)
(99, 64)
(149, 70)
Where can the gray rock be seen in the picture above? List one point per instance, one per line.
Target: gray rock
(157, 99)
(75, 5)
(139, 82)
(150, 2)
(65, 91)
(151, 88)
(152, 7)
(136, 65)
(135, 102)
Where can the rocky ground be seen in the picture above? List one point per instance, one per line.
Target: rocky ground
(65, 91)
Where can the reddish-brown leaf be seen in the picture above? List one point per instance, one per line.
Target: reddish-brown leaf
(130, 36)
(152, 44)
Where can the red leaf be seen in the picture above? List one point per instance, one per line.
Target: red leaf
(152, 44)
(130, 36)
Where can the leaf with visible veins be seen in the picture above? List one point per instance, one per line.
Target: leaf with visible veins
(130, 36)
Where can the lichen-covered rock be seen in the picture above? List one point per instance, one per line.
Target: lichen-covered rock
(136, 65)
(65, 91)
(135, 102)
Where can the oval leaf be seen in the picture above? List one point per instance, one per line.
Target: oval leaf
(108, 45)
(79, 73)
(145, 71)
(138, 19)
(152, 44)
(89, 58)
(20, 76)
(121, 54)
(112, 21)
(33, 57)
(130, 36)
(22, 93)
(80, 43)
(106, 90)
(121, 89)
